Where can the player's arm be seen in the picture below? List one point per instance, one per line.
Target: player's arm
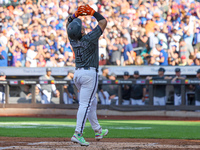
(102, 22)
(144, 93)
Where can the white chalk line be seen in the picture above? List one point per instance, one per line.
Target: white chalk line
(38, 125)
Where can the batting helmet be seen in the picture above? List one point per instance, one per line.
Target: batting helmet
(74, 29)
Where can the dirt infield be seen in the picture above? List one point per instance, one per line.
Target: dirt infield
(106, 143)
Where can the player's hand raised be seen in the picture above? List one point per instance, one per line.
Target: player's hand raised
(86, 10)
(79, 12)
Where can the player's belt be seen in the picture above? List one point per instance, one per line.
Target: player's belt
(87, 68)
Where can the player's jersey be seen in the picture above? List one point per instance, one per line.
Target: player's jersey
(47, 87)
(2, 88)
(87, 49)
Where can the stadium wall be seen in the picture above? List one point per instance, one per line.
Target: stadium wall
(118, 70)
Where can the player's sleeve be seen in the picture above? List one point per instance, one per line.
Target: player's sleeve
(53, 86)
(95, 33)
(157, 78)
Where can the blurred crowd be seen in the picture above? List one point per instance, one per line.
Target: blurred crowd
(139, 32)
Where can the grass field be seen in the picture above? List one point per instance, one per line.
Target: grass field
(48, 127)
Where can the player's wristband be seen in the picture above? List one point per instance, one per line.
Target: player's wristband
(70, 19)
(74, 16)
(98, 16)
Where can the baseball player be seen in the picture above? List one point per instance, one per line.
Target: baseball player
(126, 90)
(47, 89)
(159, 90)
(103, 94)
(138, 91)
(86, 51)
(69, 92)
(197, 90)
(177, 87)
(2, 87)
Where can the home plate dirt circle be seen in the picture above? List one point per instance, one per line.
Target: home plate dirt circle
(105, 144)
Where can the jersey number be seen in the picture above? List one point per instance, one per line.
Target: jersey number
(79, 55)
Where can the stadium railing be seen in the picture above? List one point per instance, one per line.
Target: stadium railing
(120, 107)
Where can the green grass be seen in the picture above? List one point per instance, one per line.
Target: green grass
(48, 127)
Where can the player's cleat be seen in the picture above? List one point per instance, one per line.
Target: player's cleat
(78, 138)
(103, 133)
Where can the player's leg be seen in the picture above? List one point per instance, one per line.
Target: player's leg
(133, 102)
(140, 102)
(87, 94)
(70, 99)
(117, 100)
(49, 96)
(92, 117)
(162, 101)
(126, 102)
(88, 81)
(65, 98)
(156, 101)
(103, 101)
(1, 97)
(197, 103)
(175, 99)
(43, 98)
(180, 100)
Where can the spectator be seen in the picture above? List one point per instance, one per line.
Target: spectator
(183, 61)
(61, 62)
(139, 61)
(37, 42)
(102, 47)
(17, 56)
(116, 52)
(173, 56)
(127, 52)
(155, 53)
(51, 62)
(102, 61)
(3, 57)
(127, 35)
(142, 23)
(163, 57)
(174, 38)
(138, 91)
(188, 29)
(186, 49)
(197, 59)
(126, 90)
(3, 38)
(32, 56)
(41, 61)
(145, 54)
(25, 18)
(27, 63)
(142, 40)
